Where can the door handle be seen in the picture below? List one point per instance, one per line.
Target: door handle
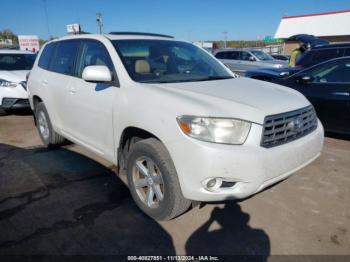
(72, 90)
(44, 82)
(341, 93)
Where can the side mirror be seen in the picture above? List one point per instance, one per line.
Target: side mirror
(252, 59)
(97, 74)
(304, 79)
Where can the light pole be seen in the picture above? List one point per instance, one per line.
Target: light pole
(225, 39)
(99, 22)
(47, 20)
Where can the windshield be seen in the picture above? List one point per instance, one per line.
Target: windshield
(11, 62)
(262, 56)
(162, 61)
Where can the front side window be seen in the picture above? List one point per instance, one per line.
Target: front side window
(12, 62)
(64, 60)
(246, 56)
(164, 61)
(332, 72)
(262, 55)
(93, 53)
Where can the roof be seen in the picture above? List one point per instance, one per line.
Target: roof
(114, 36)
(319, 24)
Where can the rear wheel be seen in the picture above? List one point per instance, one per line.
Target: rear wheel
(47, 134)
(153, 181)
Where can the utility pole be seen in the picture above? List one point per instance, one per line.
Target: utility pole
(99, 22)
(225, 39)
(47, 20)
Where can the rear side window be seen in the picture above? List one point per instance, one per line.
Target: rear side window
(233, 55)
(221, 55)
(64, 59)
(46, 55)
(317, 56)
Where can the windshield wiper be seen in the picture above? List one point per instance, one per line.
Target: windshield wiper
(210, 78)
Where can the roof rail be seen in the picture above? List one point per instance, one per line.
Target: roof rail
(140, 33)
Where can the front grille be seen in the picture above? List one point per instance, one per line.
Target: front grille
(283, 128)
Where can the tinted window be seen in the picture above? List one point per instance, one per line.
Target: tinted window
(93, 53)
(317, 56)
(332, 72)
(233, 55)
(221, 55)
(63, 61)
(16, 61)
(245, 56)
(46, 55)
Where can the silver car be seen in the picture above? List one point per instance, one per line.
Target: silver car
(242, 60)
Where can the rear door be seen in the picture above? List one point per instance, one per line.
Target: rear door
(230, 59)
(89, 107)
(327, 86)
(56, 78)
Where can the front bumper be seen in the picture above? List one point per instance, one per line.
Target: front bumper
(250, 166)
(14, 97)
(14, 103)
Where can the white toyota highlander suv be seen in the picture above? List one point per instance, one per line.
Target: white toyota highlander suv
(176, 119)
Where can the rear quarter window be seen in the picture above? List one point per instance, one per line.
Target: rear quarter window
(46, 55)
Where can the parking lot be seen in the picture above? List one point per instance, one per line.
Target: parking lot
(69, 201)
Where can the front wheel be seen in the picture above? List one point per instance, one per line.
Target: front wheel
(153, 180)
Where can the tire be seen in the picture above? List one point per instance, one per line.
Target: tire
(165, 180)
(2, 112)
(43, 123)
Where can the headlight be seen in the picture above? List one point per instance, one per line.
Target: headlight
(216, 130)
(5, 83)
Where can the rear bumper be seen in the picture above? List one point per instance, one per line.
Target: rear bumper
(250, 166)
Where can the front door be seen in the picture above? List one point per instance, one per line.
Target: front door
(90, 105)
(327, 87)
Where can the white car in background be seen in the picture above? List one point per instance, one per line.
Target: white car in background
(14, 66)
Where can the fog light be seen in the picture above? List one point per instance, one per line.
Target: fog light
(212, 184)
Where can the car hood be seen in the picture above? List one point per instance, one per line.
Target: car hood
(14, 76)
(242, 98)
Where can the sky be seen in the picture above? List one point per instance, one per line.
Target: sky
(190, 20)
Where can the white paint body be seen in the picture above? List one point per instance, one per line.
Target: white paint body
(96, 120)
